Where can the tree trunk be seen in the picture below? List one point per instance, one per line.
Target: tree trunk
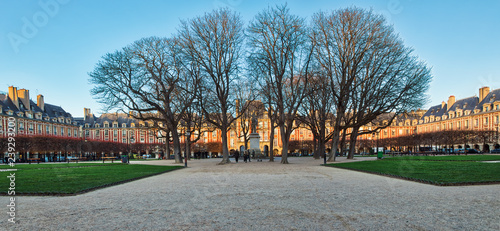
(225, 151)
(177, 146)
(316, 146)
(284, 141)
(271, 144)
(352, 147)
(335, 144)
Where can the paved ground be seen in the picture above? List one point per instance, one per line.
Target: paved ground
(264, 196)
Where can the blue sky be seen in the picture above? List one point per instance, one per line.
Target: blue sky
(50, 48)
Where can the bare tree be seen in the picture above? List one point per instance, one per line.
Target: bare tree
(280, 55)
(316, 112)
(147, 78)
(213, 41)
(370, 69)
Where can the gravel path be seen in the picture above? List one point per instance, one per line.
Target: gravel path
(263, 196)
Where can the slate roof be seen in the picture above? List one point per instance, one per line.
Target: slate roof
(493, 96)
(121, 118)
(465, 104)
(50, 110)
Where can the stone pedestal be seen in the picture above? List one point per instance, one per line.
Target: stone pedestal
(254, 141)
(254, 149)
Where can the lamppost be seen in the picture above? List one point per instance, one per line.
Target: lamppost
(132, 140)
(185, 152)
(160, 139)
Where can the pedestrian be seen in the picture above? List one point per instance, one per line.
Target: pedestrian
(252, 155)
(245, 156)
(236, 155)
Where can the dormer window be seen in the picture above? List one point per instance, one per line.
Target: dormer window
(115, 124)
(106, 124)
(97, 125)
(124, 125)
(10, 112)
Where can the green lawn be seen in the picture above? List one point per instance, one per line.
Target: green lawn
(447, 158)
(74, 178)
(439, 170)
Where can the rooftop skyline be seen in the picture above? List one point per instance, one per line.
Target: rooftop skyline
(49, 46)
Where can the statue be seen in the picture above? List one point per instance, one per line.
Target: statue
(254, 124)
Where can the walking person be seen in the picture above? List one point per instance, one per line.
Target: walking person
(245, 156)
(236, 155)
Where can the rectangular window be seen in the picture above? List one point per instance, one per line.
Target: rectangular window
(62, 131)
(106, 132)
(39, 128)
(115, 132)
(55, 130)
(69, 132)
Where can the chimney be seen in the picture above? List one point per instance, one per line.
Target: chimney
(24, 98)
(13, 96)
(451, 101)
(40, 103)
(483, 92)
(86, 113)
(443, 104)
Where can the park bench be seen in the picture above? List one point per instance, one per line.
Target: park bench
(33, 159)
(69, 159)
(108, 158)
